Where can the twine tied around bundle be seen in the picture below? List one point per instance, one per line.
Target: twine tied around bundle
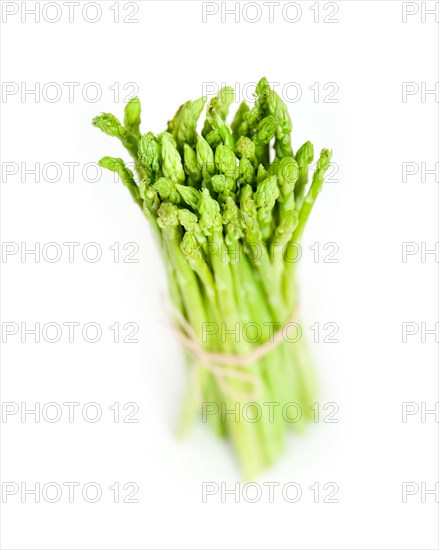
(223, 365)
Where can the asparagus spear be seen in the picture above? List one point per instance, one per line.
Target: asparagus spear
(111, 126)
(131, 119)
(304, 157)
(127, 177)
(184, 125)
(316, 186)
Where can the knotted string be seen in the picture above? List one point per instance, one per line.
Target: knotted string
(219, 363)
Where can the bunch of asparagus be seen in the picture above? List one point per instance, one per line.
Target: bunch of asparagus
(229, 205)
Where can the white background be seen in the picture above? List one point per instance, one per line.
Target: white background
(369, 212)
